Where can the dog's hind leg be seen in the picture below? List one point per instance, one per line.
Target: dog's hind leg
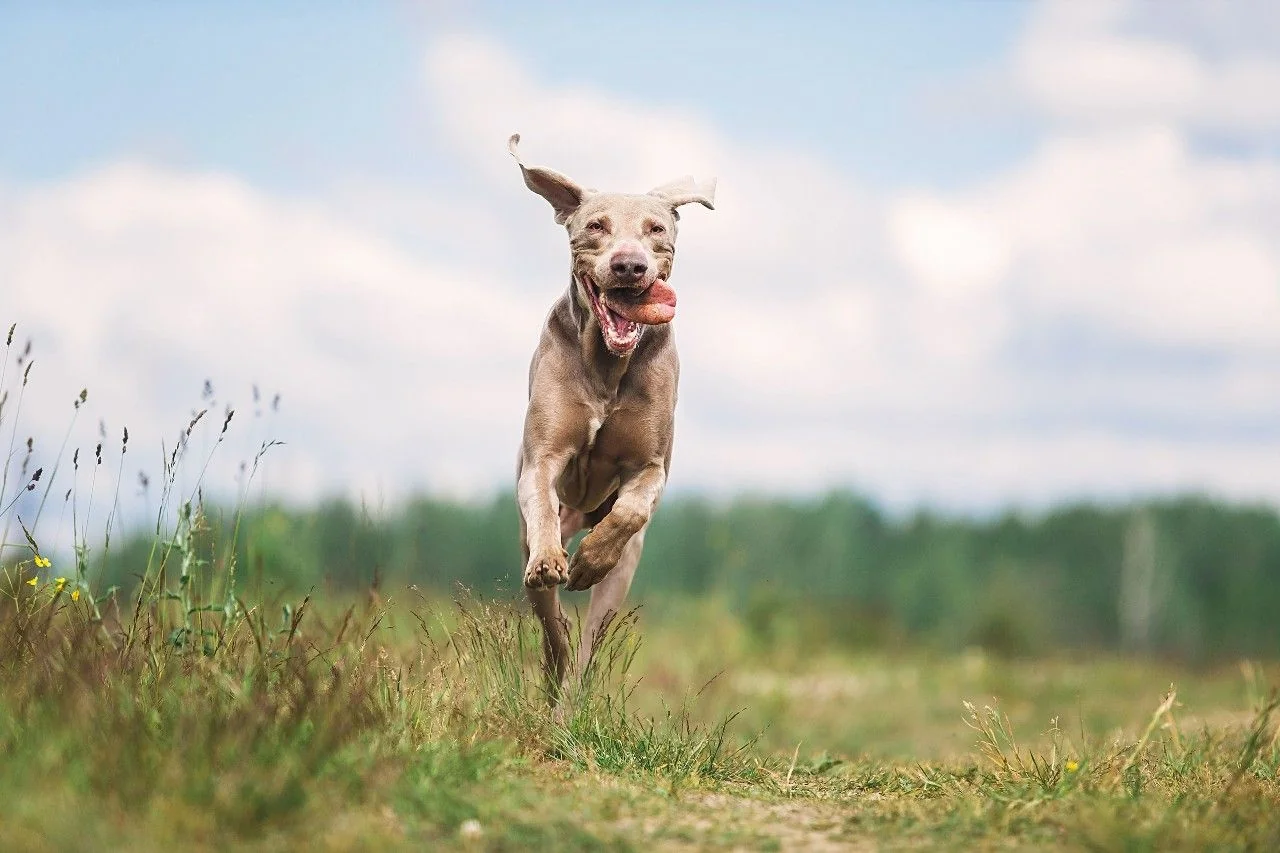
(571, 521)
(606, 600)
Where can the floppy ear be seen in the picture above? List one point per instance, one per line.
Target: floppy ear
(565, 195)
(687, 191)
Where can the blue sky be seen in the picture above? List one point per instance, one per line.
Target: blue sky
(971, 254)
(289, 94)
(281, 94)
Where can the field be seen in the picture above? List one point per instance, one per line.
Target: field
(403, 722)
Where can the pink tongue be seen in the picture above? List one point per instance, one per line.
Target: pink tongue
(653, 307)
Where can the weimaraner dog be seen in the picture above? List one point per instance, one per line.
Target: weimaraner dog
(602, 396)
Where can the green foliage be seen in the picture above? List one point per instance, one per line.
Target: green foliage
(835, 570)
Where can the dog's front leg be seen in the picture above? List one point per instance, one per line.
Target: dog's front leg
(547, 564)
(602, 547)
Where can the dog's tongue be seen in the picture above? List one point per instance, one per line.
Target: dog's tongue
(653, 307)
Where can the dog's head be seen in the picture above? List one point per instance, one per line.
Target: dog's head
(623, 247)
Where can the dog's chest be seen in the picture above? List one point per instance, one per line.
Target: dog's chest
(617, 433)
(593, 429)
(613, 442)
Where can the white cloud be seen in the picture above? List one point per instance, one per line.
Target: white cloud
(948, 249)
(1131, 231)
(141, 282)
(1083, 61)
(483, 95)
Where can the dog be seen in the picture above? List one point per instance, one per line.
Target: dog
(602, 394)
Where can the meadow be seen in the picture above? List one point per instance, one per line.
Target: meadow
(162, 691)
(401, 723)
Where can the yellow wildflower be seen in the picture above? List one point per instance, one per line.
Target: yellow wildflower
(32, 582)
(61, 582)
(75, 595)
(42, 562)
(1072, 766)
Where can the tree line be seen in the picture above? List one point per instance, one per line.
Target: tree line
(1188, 577)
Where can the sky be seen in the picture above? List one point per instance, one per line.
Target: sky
(969, 255)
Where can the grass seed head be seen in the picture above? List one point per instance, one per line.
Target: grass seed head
(195, 420)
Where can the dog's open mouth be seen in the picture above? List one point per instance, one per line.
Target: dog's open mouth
(624, 313)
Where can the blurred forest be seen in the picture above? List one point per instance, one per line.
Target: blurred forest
(1188, 578)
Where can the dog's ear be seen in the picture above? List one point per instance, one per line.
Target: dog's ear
(565, 195)
(687, 191)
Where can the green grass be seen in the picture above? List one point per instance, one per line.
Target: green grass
(398, 725)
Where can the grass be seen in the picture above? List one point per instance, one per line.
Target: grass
(397, 725)
(188, 712)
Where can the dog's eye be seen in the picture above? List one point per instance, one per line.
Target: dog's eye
(595, 225)
(655, 228)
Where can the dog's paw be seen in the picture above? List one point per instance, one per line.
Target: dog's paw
(547, 570)
(593, 560)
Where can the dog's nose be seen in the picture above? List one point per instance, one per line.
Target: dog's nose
(629, 266)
